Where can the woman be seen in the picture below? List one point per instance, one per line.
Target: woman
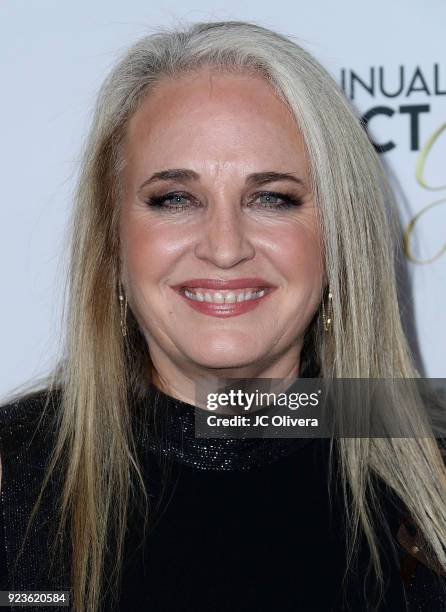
(222, 152)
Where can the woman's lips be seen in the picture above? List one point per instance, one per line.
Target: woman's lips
(218, 308)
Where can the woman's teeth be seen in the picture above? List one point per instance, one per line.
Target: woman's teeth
(224, 297)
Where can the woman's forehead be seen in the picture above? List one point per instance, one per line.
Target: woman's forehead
(229, 120)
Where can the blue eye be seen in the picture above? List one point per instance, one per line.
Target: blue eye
(270, 200)
(177, 201)
(169, 201)
(268, 197)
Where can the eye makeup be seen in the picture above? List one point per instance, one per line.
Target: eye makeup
(161, 202)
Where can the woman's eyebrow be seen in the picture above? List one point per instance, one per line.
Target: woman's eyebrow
(253, 179)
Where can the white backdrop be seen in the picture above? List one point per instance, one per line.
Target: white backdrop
(390, 57)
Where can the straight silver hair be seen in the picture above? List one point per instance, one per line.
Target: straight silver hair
(367, 340)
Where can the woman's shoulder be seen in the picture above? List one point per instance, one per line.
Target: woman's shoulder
(29, 417)
(27, 435)
(28, 406)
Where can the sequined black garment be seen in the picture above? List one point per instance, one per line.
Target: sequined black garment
(239, 525)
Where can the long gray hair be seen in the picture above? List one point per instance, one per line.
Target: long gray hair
(366, 339)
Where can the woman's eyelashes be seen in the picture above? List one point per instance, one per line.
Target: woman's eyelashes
(176, 201)
(173, 201)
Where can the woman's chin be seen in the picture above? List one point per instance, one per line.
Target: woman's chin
(229, 358)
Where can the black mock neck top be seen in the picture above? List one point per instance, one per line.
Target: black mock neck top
(235, 525)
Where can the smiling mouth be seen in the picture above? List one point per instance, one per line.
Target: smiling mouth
(224, 296)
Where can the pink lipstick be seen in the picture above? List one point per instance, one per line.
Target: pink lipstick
(224, 298)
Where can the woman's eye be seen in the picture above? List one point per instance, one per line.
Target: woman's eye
(275, 200)
(171, 201)
(176, 202)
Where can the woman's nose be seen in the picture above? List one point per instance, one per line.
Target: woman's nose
(223, 238)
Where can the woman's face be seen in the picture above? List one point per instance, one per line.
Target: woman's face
(205, 197)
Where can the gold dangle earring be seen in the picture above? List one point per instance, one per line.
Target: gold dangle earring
(327, 317)
(123, 307)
